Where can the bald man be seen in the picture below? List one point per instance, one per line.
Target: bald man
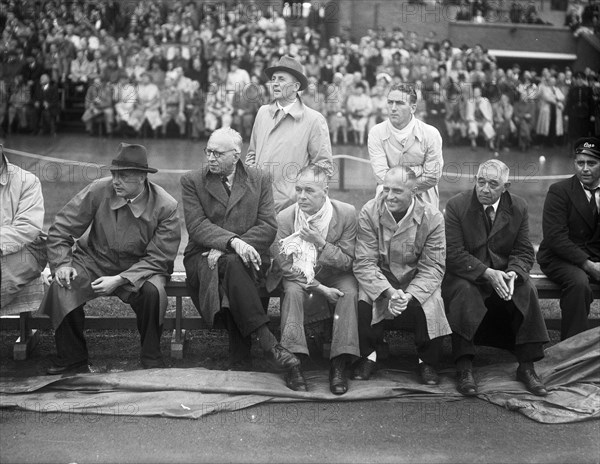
(487, 292)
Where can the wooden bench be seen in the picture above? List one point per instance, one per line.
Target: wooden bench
(26, 323)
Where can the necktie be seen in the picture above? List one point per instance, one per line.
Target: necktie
(593, 204)
(491, 215)
(225, 183)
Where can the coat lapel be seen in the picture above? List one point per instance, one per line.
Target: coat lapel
(476, 215)
(503, 215)
(332, 235)
(215, 189)
(239, 187)
(580, 202)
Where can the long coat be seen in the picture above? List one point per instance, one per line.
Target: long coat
(570, 233)
(413, 252)
(213, 218)
(548, 96)
(471, 251)
(422, 152)
(140, 243)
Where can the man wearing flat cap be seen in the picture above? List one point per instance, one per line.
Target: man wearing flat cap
(570, 250)
(133, 239)
(288, 135)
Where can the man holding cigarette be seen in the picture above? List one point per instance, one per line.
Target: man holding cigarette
(488, 296)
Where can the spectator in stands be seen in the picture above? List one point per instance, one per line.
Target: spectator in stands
(550, 114)
(147, 106)
(99, 106)
(230, 218)
(379, 111)
(33, 69)
(19, 105)
(22, 239)
(358, 108)
(570, 250)
(172, 107)
(288, 118)
(46, 106)
(315, 250)
(480, 119)
(399, 286)
(335, 105)
(579, 108)
(524, 118)
(405, 140)
(81, 72)
(218, 112)
(132, 244)
(487, 291)
(504, 126)
(463, 14)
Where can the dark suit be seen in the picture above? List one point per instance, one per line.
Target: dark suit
(213, 218)
(48, 106)
(474, 310)
(579, 107)
(570, 238)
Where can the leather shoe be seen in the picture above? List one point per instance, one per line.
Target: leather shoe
(338, 381)
(282, 358)
(75, 368)
(466, 383)
(532, 381)
(428, 374)
(295, 380)
(364, 369)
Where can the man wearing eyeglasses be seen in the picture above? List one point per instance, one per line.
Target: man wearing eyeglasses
(231, 222)
(288, 135)
(570, 251)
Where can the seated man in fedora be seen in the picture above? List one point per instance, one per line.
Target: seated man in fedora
(288, 135)
(487, 291)
(132, 243)
(570, 251)
(231, 222)
(316, 239)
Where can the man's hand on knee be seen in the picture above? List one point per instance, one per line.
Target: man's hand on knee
(247, 252)
(332, 294)
(106, 285)
(65, 275)
(213, 257)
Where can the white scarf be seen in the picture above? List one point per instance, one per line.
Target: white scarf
(304, 254)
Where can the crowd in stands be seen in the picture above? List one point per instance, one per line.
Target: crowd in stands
(186, 68)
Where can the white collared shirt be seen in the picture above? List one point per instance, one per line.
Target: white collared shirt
(588, 195)
(286, 109)
(406, 215)
(494, 205)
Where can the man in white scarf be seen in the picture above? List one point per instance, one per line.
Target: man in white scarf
(316, 239)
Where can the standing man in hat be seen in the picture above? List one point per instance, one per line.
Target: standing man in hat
(288, 135)
(407, 141)
(132, 243)
(570, 250)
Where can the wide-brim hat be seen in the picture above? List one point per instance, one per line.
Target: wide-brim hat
(289, 65)
(131, 157)
(588, 146)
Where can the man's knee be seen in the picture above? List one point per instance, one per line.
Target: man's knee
(149, 290)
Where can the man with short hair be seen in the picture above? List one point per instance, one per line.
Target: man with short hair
(287, 135)
(399, 265)
(480, 119)
(231, 222)
(134, 235)
(407, 141)
(315, 241)
(570, 250)
(487, 291)
(22, 240)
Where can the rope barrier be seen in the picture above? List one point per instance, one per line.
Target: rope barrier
(453, 175)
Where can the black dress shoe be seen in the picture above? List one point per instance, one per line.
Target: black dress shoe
(364, 369)
(532, 381)
(338, 381)
(75, 368)
(282, 358)
(295, 380)
(466, 383)
(428, 374)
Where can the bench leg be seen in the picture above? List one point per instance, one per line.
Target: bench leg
(178, 336)
(27, 340)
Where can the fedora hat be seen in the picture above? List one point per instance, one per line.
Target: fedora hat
(131, 157)
(289, 65)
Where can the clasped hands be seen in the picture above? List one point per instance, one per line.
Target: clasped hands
(502, 282)
(246, 252)
(102, 286)
(397, 301)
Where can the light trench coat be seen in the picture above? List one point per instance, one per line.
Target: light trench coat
(414, 252)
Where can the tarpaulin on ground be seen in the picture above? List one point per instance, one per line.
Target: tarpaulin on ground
(571, 371)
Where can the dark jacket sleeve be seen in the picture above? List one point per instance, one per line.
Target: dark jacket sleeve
(555, 226)
(520, 259)
(458, 260)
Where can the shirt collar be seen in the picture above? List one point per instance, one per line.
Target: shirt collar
(286, 109)
(408, 211)
(296, 110)
(494, 205)
(137, 205)
(585, 189)
(4, 170)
